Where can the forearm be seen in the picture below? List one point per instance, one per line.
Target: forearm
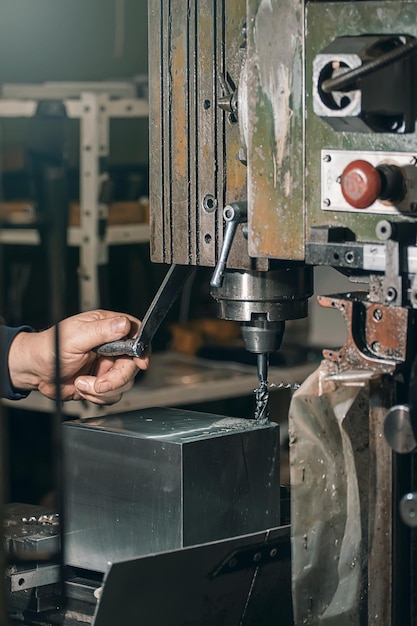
(29, 361)
(14, 383)
(25, 360)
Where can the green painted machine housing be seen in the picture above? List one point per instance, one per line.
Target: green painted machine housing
(275, 121)
(268, 152)
(324, 22)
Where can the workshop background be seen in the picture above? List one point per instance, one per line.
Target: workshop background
(105, 40)
(71, 42)
(75, 41)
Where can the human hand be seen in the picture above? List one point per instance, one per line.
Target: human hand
(84, 374)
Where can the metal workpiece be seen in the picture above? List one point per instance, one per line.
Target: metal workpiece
(161, 479)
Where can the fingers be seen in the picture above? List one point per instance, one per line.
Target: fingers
(105, 393)
(113, 378)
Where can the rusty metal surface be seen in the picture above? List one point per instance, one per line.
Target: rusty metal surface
(382, 488)
(377, 335)
(194, 166)
(275, 129)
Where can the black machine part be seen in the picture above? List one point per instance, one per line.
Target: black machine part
(158, 309)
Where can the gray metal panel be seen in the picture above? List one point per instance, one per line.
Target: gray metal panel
(149, 481)
(186, 587)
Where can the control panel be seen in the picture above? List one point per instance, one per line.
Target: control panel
(369, 182)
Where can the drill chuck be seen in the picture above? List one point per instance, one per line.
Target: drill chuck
(261, 336)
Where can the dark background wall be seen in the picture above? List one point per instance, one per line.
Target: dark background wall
(76, 40)
(71, 39)
(61, 41)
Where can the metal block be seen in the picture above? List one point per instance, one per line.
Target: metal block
(148, 481)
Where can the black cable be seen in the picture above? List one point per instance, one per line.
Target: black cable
(56, 210)
(348, 78)
(4, 482)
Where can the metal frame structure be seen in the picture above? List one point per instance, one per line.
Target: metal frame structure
(94, 108)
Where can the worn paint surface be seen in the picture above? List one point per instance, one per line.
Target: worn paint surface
(194, 166)
(275, 129)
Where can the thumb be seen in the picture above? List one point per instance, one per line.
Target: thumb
(97, 332)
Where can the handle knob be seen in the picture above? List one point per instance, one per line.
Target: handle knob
(398, 429)
(233, 214)
(361, 184)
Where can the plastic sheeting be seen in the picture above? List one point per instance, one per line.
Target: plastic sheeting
(329, 457)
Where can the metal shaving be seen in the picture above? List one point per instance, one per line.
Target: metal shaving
(282, 385)
(43, 519)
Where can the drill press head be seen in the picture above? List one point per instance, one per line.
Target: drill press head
(263, 301)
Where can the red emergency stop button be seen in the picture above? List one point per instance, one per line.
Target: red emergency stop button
(361, 184)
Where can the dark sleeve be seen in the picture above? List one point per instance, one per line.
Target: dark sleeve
(7, 335)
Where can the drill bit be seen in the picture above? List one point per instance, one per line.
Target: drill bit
(262, 393)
